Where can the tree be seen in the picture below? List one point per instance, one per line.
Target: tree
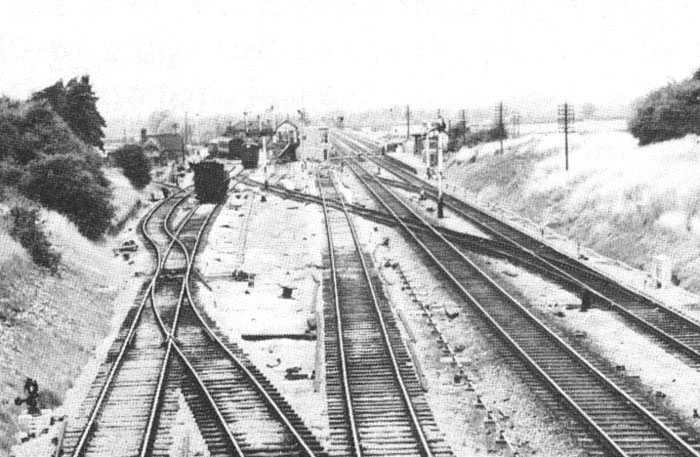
(85, 119)
(76, 103)
(666, 113)
(136, 166)
(74, 186)
(588, 111)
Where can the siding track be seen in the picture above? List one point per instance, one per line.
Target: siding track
(170, 350)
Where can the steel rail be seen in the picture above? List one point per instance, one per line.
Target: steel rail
(357, 447)
(237, 361)
(87, 430)
(148, 294)
(607, 441)
(264, 393)
(425, 447)
(582, 286)
(169, 335)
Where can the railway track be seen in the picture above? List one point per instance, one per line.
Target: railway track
(677, 333)
(260, 420)
(169, 349)
(376, 405)
(619, 424)
(114, 417)
(466, 243)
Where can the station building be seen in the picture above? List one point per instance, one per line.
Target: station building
(162, 147)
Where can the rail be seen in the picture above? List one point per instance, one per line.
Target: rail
(424, 446)
(603, 436)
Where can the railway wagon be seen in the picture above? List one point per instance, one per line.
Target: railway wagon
(250, 156)
(226, 148)
(210, 181)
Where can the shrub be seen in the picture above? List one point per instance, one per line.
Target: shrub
(10, 173)
(49, 398)
(30, 128)
(72, 185)
(28, 230)
(666, 113)
(484, 136)
(136, 166)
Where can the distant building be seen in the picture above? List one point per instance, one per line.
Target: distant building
(286, 132)
(162, 147)
(251, 128)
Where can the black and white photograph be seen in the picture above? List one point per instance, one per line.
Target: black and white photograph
(354, 228)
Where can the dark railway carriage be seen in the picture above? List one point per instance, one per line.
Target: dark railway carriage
(210, 181)
(250, 155)
(226, 148)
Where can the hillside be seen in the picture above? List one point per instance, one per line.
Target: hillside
(627, 202)
(50, 325)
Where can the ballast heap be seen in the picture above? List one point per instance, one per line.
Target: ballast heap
(210, 182)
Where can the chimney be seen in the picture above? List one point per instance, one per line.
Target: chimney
(259, 124)
(143, 136)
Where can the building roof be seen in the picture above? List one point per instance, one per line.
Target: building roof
(287, 122)
(172, 142)
(254, 128)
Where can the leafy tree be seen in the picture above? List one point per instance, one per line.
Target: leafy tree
(76, 103)
(136, 166)
(666, 113)
(28, 230)
(85, 120)
(11, 144)
(30, 128)
(72, 185)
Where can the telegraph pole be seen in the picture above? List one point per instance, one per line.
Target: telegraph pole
(501, 128)
(408, 123)
(566, 120)
(464, 125)
(440, 203)
(184, 141)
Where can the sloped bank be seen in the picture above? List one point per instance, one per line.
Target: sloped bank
(623, 201)
(51, 326)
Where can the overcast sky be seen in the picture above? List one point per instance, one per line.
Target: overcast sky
(226, 57)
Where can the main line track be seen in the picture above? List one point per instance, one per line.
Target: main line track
(376, 405)
(676, 332)
(617, 422)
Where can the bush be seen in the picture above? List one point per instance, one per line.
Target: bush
(28, 230)
(666, 113)
(484, 136)
(136, 166)
(30, 128)
(72, 185)
(10, 173)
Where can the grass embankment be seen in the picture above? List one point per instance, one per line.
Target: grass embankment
(628, 202)
(50, 325)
